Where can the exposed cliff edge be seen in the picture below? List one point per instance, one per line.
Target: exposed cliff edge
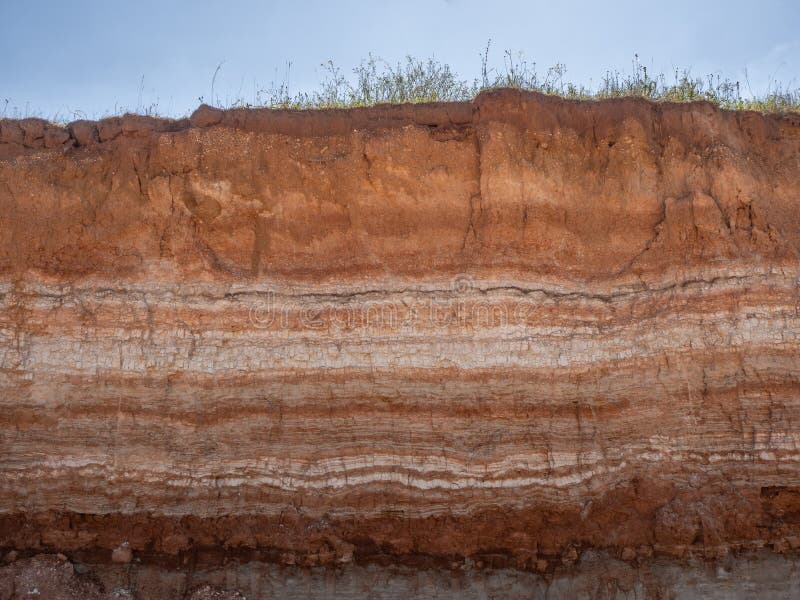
(509, 331)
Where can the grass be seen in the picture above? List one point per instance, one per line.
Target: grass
(414, 80)
(376, 81)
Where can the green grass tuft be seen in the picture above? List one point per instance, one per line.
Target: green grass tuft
(375, 81)
(414, 80)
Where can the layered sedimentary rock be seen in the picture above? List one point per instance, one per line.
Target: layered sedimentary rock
(508, 330)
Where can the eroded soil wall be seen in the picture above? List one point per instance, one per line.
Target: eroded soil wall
(510, 331)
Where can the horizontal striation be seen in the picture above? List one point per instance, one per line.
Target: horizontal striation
(529, 327)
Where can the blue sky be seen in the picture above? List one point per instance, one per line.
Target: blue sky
(63, 59)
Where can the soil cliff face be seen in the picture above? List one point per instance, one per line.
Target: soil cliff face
(509, 331)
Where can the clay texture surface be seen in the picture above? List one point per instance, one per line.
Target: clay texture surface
(510, 331)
